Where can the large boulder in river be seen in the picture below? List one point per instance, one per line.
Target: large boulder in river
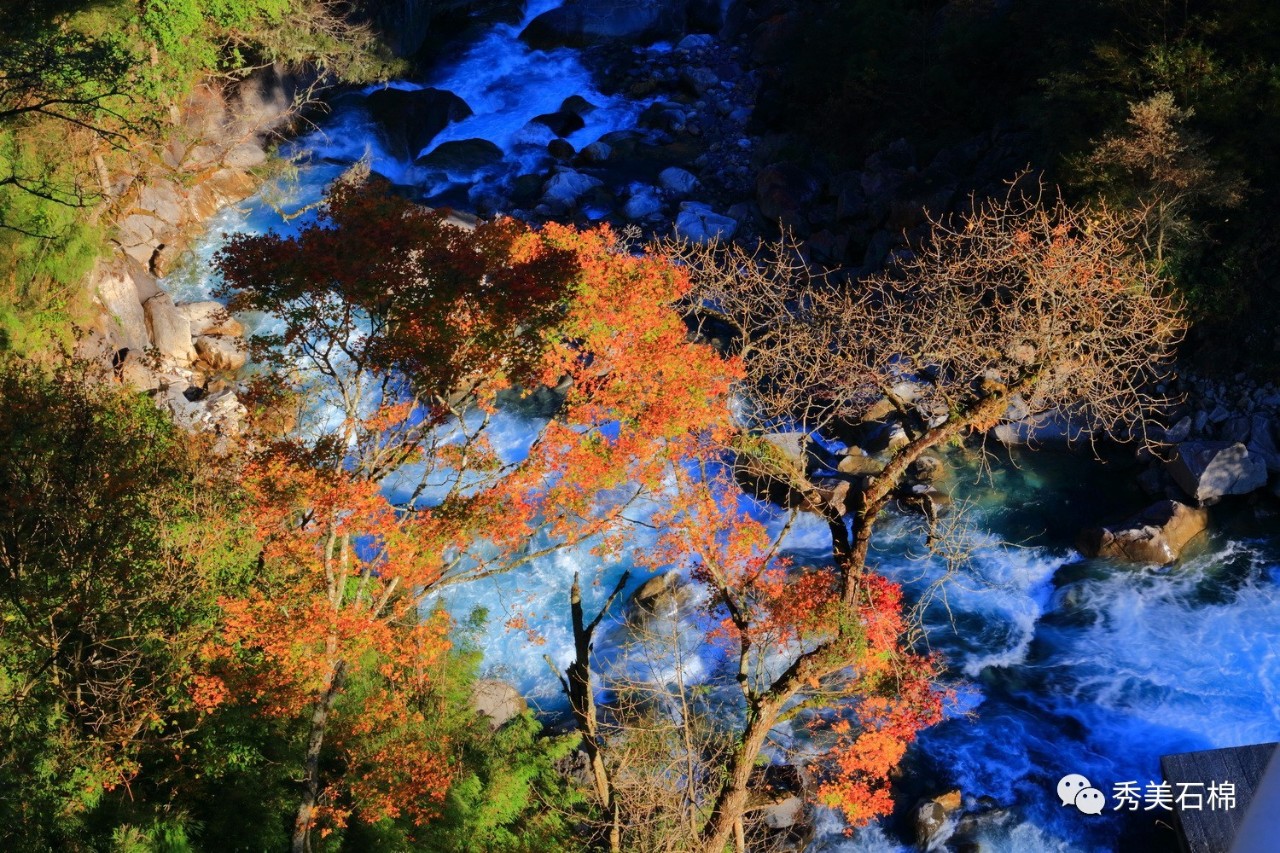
(461, 156)
(564, 188)
(643, 203)
(697, 222)
(579, 23)
(677, 181)
(661, 595)
(410, 118)
(562, 123)
(1211, 470)
(1155, 535)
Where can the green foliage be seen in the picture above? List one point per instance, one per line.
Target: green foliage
(195, 37)
(509, 797)
(1066, 77)
(101, 613)
(87, 87)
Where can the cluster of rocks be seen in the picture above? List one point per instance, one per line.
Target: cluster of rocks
(1221, 441)
(793, 470)
(184, 355)
(688, 154)
(1225, 438)
(950, 821)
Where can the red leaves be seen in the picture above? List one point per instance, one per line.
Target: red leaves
(432, 301)
(855, 772)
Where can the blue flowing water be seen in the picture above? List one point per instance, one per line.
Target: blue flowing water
(1062, 666)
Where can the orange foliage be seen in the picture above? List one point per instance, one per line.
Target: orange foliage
(899, 700)
(344, 573)
(335, 554)
(767, 604)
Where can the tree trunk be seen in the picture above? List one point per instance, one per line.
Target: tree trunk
(577, 686)
(582, 699)
(311, 767)
(732, 799)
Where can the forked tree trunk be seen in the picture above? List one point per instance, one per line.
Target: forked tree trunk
(726, 815)
(577, 686)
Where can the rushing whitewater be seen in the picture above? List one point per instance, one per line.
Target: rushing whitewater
(1062, 666)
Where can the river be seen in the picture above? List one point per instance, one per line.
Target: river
(1063, 665)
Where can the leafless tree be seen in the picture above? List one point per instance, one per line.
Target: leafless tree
(1022, 306)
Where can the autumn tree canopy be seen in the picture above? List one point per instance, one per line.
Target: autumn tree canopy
(410, 351)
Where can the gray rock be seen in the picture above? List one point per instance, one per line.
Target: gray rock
(560, 149)
(119, 297)
(1236, 429)
(700, 224)
(929, 820)
(1262, 442)
(169, 329)
(223, 412)
(1052, 428)
(561, 123)
(210, 318)
(1210, 470)
(461, 155)
(897, 436)
(662, 596)
(567, 186)
(699, 80)
(577, 104)
(410, 119)
(856, 462)
(164, 202)
(221, 353)
(1180, 431)
(136, 373)
(138, 229)
(644, 202)
(579, 23)
(498, 701)
(697, 41)
(596, 152)
(185, 413)
(677, 181)
(245, 156)
(785, 813)
(926, 469)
